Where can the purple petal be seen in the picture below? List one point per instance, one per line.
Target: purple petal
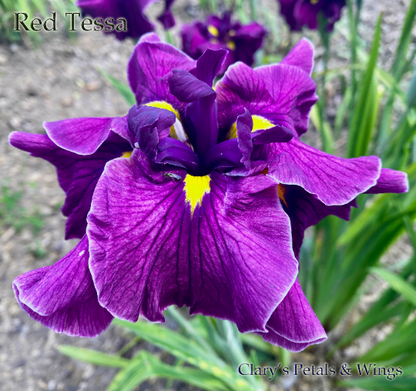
(307, 13)
(201, 114)
(149, 124)
(305, 210)
(62, 297)
(166, 18)
(194, 42)
(294, 326)
(177, 153)
(390, 181)
(201, 117)
(77, 174)
(83, 136)
(287, 10)
(293, 93)
(225, 155)
(245, 144)
(122, 129)
(149, 37)
(283, 94)
(187, 87)
(276, 134)
(209, 65)
(133, 11)
(335, 181)
(248, 39)
(136, 225)
(232, 260)
(301, 56)
(150, 67)
(241, 228)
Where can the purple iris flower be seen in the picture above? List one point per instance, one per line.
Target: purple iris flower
(242, 41)
(132, 10)
(299, 13)
(209, 210)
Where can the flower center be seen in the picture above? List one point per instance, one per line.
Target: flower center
(281, 190)
(213, 30)
(176, 130)
(231, 45)
(259, 122)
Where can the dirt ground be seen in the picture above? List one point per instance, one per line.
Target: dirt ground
(59, 79)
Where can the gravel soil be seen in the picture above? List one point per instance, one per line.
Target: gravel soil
(59, 79)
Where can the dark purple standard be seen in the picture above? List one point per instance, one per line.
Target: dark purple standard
(300, 13)
(132, 10)
(197, 197)
(242, 41)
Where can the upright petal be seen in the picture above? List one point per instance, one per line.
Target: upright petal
(62, 297)
(294, 326)
(83, 136)
(301, 56)
(283, 94)
(201, 112)
(333, 180)
(244, 126)
(187, 87)
(293, 92)
(226, 253)
(150, 67)
(209, 65)
(77, 174)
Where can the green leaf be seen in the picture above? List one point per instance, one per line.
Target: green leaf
(124, 90)
(401, 341)
(405, 39)
(145, 366)
(381, 311)
(400, 383)
(362, 122)
(397, 283)
(93, 356)
(323, 128)
(187, 350)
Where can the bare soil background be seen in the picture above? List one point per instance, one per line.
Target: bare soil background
(58, 80)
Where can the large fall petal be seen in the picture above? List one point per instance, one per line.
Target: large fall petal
(229, 257)
(62, 297)
(294, 325)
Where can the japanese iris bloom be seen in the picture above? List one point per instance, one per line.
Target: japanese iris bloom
(132, 10)
(299, 13)
(208, 210)
(242, 41)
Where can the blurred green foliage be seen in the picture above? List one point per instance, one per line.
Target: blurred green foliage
(12, 214)
(40, 8)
